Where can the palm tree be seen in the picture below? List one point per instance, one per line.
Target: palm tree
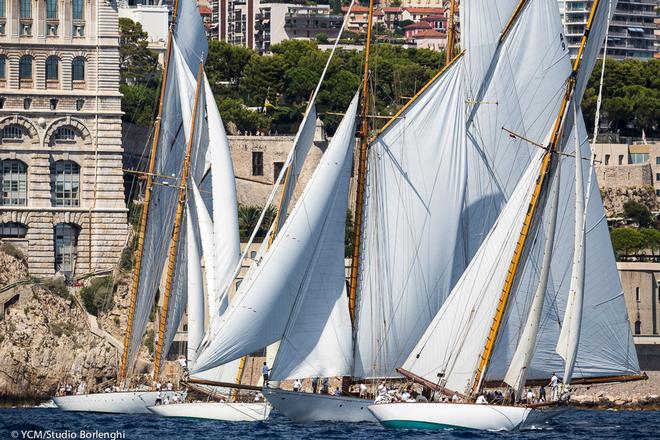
(248, 215)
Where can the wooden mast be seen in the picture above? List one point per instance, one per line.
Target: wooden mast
(123, 370)
(362, 168)
(449, 50)
(533, 205)
(176, 233)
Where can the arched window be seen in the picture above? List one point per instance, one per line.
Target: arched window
(66, 247)
(638, 327)
(13, 181)
(64, 135)
(12, 230)
(65, 183)
(12, 133)
(52, 68)
(51, 9)
(25, 67)
(78, 69)
(3, 66)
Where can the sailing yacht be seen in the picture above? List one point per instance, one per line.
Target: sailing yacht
(542, 292)
(177, 156)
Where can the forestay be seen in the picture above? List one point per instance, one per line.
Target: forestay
(276, 298)
(452, 344)
(414, 196)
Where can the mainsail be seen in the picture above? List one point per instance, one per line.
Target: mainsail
(415, 193)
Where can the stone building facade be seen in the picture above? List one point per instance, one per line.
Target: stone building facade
(641, 287)
(60, 134)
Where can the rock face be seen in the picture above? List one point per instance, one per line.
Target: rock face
(614, 198)
(46, 338)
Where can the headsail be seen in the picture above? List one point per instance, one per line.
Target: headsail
(269, 301)
(451, 346)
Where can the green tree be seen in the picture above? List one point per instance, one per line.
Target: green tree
(248, 215)
(651, 239)
(262, 80)
(225, 63)
(322, 38)
(234, 111)
(626, 241)
(138, 103)
(638, 212)
(137, 63)
(97, 297)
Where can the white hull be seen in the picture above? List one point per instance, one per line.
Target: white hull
(123, 402)
(307, 407)
(459, 416)
(230, 412)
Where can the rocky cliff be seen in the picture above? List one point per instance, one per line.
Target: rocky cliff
(47, 338)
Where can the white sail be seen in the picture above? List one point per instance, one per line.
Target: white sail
(205, 227)
(606, 345)
(190, 34)
(195, 306)
(569, 337)
(602, 17)
(522, 92)
(414, 196)
(302, 145)
(522, 358)
(456, 337)
(267, 302)
(226, 240)
(162, 208)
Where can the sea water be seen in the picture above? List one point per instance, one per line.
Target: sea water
(51, 423)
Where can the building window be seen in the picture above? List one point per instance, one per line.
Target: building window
(657, 160)
(657, 177)
(277, 169)
(26, 8)
(79, 104)
(11, 133)
(66, 243)
(13, 181)
(638, 327)
(65, 180)
(257, 163)
(607, 159)
(77, 10)
(3, 66)
(78, 69)
(52, 68)
(620, 159)
(51, 9)
(657, 192)
(25, 68)
(27, 103)
(636, 158)
(2, 9)
(64, 135)
(637, 294)
(53, 103)
(13, 230)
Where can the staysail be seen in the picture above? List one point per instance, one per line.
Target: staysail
(269, 301)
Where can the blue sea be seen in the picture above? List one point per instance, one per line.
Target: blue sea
(44, 423)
